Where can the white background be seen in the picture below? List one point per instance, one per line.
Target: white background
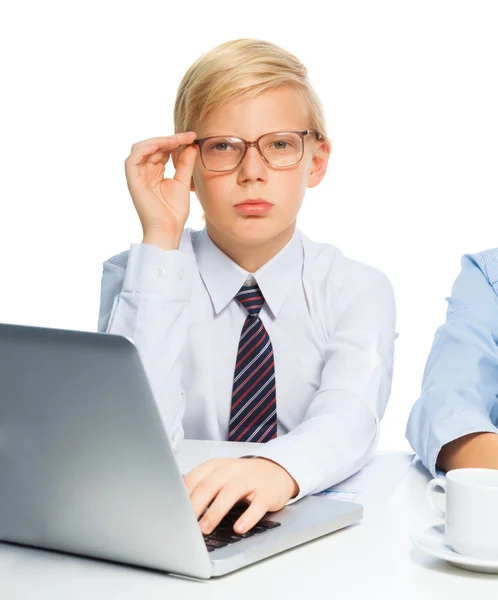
(410, 91)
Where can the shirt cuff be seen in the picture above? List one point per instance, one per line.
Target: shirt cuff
(288, 452)
(452, 428)
(151, 269)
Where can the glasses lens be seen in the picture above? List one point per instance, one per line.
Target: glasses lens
(282, 149)
(222, 153)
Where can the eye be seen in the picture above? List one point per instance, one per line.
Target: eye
(280, 145)
(221, 146)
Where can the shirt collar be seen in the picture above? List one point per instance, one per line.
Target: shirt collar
(223, 277)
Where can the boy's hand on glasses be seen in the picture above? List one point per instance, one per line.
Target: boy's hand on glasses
(163, 204)
(218, 484)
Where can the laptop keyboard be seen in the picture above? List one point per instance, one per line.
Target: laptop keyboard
(224, 533)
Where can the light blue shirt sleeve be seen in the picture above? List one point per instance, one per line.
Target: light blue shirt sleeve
(460, 382)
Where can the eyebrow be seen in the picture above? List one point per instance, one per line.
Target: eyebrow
(219, 135)
(237, 135)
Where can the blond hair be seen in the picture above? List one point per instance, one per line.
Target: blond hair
(242, 68)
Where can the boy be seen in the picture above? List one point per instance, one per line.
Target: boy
(248, 330)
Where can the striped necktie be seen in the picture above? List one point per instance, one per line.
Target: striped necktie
(253, 415)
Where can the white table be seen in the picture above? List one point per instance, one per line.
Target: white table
(374, 559)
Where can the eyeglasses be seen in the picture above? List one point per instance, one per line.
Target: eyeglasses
(278, 149)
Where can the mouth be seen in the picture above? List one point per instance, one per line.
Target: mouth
(253, 206)
(253, 201)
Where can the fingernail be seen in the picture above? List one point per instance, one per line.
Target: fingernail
(204, 525)
(241, 526)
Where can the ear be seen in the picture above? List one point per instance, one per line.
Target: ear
(319, 162)
(174, 155)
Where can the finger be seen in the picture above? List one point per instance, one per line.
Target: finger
(151, 153)
(142, 150)
(207, 489)
(194, 477)
(255, 512)
(228, 495)
(183, 136)
(159, 156)
(185, 166)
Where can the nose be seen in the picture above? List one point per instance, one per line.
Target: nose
(252, 167)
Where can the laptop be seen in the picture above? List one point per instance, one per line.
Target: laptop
(86, 466)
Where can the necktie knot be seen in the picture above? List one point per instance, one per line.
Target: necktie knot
(250, 298)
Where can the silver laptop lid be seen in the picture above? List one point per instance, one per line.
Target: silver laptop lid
(85, 463)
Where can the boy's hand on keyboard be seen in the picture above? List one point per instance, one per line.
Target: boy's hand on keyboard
(221, 482)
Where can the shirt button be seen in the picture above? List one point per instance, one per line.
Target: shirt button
(160, 270)
(181, 274)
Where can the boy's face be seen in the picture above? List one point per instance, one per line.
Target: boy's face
(280, 109)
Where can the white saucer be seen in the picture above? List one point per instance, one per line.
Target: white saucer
(432, 542)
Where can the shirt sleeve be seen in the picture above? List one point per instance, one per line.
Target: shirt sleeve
(460, 382)
(341, 426)
(145, 297)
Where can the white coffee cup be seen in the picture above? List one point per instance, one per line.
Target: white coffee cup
(471, 513)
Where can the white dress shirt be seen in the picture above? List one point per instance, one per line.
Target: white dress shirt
(331, 321)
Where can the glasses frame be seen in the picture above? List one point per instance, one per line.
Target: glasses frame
(302, 132)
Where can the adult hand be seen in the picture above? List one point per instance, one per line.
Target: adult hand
(162, 204)
(218, 484)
